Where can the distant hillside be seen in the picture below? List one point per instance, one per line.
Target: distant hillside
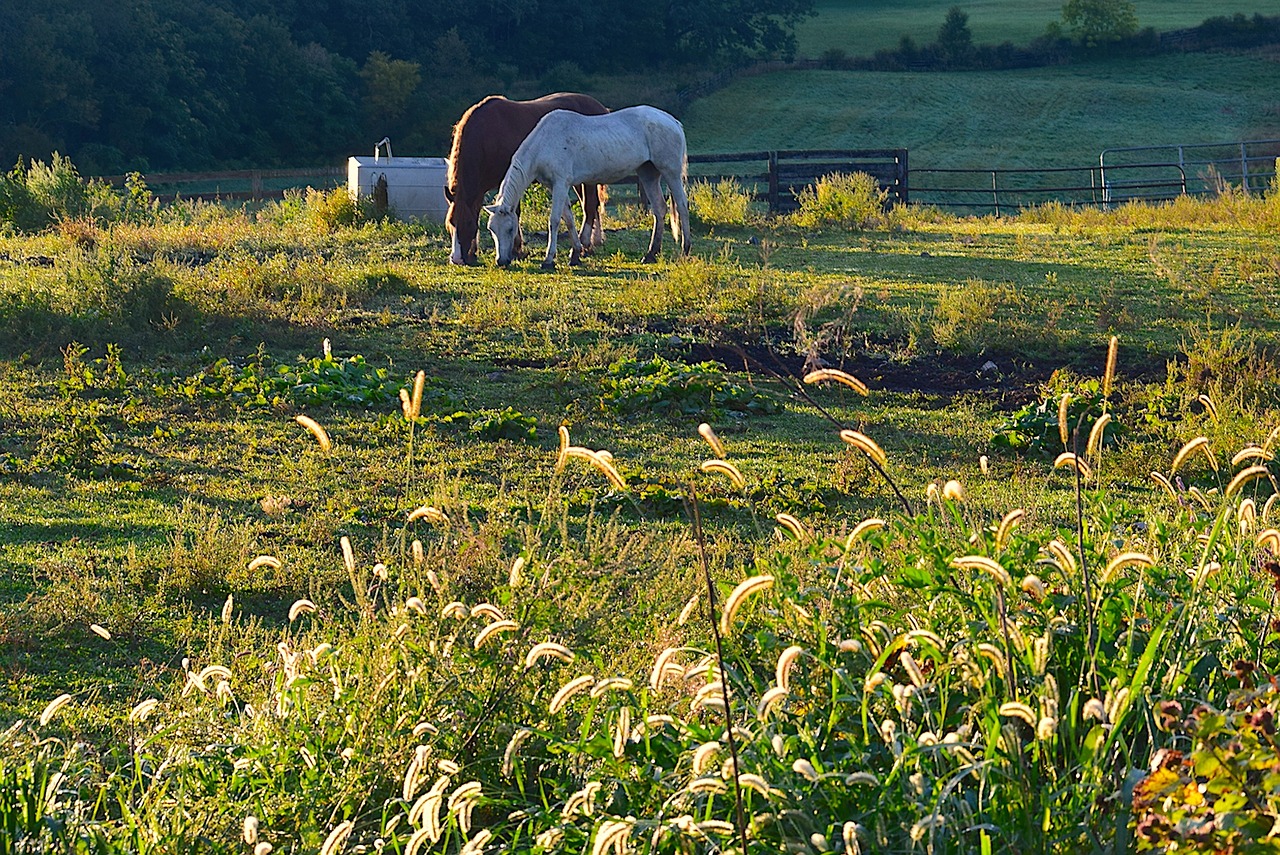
(1055, 116)
(862, 27)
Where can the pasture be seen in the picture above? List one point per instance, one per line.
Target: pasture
(395, 672)
(1041, 117)
(862, 27)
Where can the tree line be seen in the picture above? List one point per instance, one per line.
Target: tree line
(202, 84)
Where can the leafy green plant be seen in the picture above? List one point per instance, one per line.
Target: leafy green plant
(326, 379)
(491, 425)
(1035, 428)
(724, 203)
(673, 388)
(848, 201)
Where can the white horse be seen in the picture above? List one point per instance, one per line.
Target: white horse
(566, 149)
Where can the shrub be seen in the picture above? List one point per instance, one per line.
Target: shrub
(725, 203)
(673, 388)
(850, 201)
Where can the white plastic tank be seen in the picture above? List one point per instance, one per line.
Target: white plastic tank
(414, 185)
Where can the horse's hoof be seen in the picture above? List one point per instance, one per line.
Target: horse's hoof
(649, 259)
(574, 262)
(549, 265)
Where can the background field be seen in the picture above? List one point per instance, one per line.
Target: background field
(1063, 116)
(861, 27)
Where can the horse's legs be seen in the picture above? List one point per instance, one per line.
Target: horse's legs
(575, 256)
(592, 210)
(679, 211)
(559, 201)
(517, 248)
(647, 174)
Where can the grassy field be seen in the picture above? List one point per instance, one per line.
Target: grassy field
(861, 28)
(320, 613)
(1040, 117)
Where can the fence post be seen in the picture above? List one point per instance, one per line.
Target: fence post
(995, 194)
(256, 185)
(1244, 169)
(903, 174)
(773, 182)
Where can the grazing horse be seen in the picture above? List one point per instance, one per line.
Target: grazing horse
(568, 148)
(483, 141)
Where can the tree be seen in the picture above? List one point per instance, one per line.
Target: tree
(955, 42)
(1098, 22)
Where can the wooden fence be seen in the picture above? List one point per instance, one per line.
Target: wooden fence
(776, 178)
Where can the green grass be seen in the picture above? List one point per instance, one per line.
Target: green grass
(140, 484)
(1063, 116)
(862, 28)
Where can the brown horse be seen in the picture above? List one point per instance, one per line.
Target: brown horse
(483, 141)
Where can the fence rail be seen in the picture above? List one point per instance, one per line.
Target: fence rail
(776, 178)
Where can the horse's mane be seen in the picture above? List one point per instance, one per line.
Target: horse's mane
(451, 178)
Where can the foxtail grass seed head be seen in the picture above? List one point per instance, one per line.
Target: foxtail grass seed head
(477, 844)
(727, 469)
(548, 650)
(1249, 452)
(612, 835)
(348, 555)
(865, 527)
(143, 710)
(491, 630)
(621, 732)
(227, 607)
(568, 690)
(1068, 460)
(704, 756)
(687, 611)
(318, 432)
(744, 589)
(337, 839)
(406, 404)
(601, 461)
(1007, 523)
(1095, 709)
(431, 514)
(415, 604)
(914, 673)
(415, 401)
(1017, 709)
(563, 455)
(550, 839)
(1093, 448)
(952, 491)
(455, 610)
(299, 608)
(418, 556)
(1200, 443)
(100, 631)
(865, 444)
(515, 576)
(1164, 482)
(1124, 559)
(463, 801)
(786, 661)
(824, 374)
(1244, 476)
(984, 465)
(1209, 407)
(448, 767)
(1031, 584)
(752, 781)
(987, 565)
(769, 700)
(849, 831)
(263, 848)
(1064, 431)
(611, 684)
(1109, 373)
(264, 561)
(805, 769)
(513, 745)
(1269, 538)
(665, 666)
(250, 830)
(1046, 728)
(706, 432)
(488, 611)
(793, 526)
(927, 826)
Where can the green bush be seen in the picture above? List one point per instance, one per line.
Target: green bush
(848, 201)
(673, 388)
(726, 203)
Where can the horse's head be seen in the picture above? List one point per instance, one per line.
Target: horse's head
(462, 220)
(504, 224)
